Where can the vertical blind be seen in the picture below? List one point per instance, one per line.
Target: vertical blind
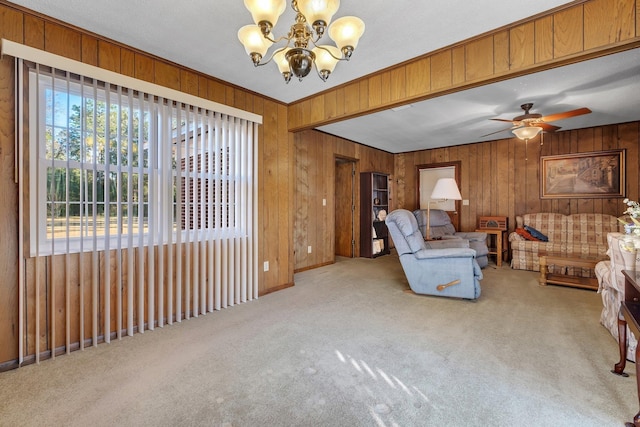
(141, 209)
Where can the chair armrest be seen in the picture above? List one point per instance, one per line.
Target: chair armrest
(445, 253)
(456, 256)
(476, 236)
(446, 243)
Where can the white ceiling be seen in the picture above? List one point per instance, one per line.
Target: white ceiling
(202, 35)
(609, 86)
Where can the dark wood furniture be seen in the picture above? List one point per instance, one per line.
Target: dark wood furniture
(629, 314)
(374, 205)
(547, 258)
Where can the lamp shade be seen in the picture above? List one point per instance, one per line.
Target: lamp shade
(446, 188)
(318, 10)
(281, 61)
(265, 10)
(324, 60)
(527, 132)
(251, 37)
(346, 31)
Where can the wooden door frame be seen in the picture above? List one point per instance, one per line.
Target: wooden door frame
(354, 200)
(455, 219)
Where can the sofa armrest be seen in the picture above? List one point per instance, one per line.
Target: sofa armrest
(514, 237)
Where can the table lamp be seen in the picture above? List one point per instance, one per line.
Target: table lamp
(445, 189)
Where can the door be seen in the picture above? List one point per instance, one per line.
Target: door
(345, 207)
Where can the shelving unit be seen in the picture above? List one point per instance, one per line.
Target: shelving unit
(374, 205)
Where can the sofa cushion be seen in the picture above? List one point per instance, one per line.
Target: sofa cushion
(591, 229)
(552, 225)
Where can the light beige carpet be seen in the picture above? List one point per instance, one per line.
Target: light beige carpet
(347, 347)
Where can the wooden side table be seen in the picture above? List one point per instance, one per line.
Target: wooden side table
(497, 242)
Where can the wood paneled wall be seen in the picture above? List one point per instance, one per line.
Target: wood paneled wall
(502, 177)
(314, 224)
(582, 30)
(275, 156)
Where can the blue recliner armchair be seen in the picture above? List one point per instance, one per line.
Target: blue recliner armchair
(450, 272)
(441, 228)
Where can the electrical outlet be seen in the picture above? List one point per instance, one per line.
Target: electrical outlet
(324, 202)
(465, 202)
(308, 249)
(266, 266)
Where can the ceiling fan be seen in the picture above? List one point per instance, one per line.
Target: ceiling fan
(536, 122)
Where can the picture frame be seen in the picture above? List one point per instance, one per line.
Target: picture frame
(596, 174)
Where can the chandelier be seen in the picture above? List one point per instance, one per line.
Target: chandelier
(301, 50)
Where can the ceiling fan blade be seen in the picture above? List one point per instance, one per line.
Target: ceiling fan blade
(503, 120)
(565, 115)
(547, 127)
(501, 130)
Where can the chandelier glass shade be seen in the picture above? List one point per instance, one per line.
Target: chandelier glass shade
(301, 49)
(527, 132)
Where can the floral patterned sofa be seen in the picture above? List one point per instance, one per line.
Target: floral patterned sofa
(577, 234)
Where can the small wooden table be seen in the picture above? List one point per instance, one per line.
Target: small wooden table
(501, 245)
(547, 258)
(629, 313)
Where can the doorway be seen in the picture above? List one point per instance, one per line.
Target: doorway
(345, 203)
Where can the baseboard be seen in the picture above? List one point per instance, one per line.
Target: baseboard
(311, 267)
(277, 288)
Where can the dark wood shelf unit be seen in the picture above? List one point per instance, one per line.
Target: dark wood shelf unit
(374, 198)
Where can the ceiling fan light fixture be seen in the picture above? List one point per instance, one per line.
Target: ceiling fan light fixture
(528, 125)
(527, 132)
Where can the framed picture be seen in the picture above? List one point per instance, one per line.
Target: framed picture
(596, 174)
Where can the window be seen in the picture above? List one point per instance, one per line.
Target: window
(118, 167)
(163, 181)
